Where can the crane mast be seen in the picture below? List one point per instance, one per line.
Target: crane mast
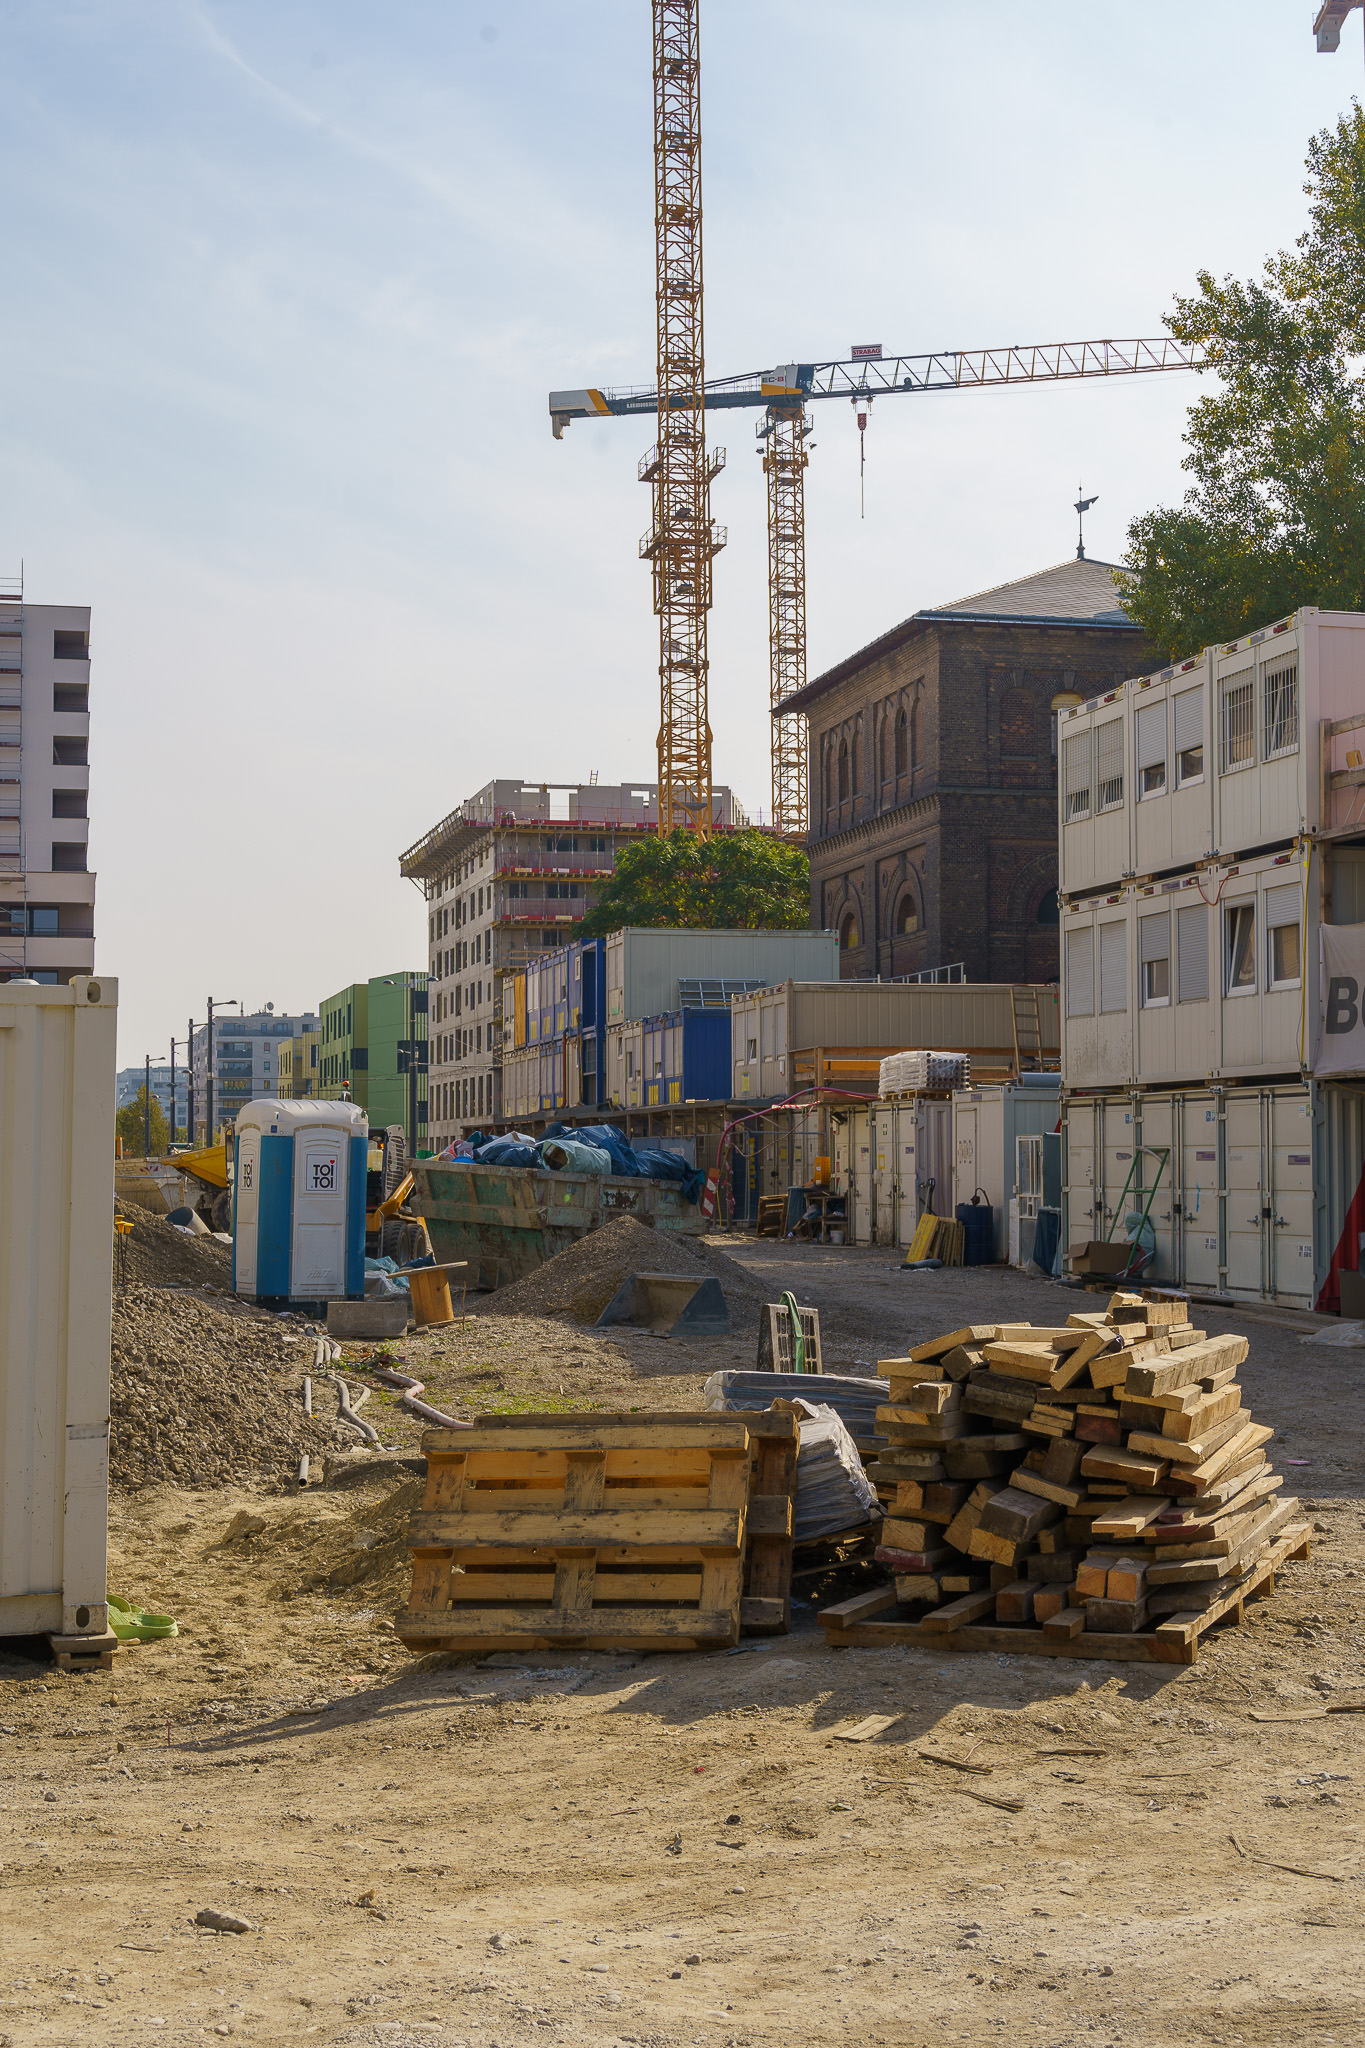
(784, 430)
(682, 540)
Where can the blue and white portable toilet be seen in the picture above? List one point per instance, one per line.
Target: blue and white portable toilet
(298, 1217)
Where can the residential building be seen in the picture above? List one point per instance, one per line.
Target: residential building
(296, 1064)
(130, 1080)
(398, 1054)
(245, 1060)
(509, 874)
(47, 892)
(344, 1045)
(933, 775)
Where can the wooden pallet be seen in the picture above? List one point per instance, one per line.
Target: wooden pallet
(84, 1653)
(765, 1607)
(614, 1531)
(870, 1621)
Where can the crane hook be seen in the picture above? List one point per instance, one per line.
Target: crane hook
(862, 405)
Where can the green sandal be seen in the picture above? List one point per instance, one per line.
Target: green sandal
(131, 1625)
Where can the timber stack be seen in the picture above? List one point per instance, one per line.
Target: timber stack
(1096, 1489)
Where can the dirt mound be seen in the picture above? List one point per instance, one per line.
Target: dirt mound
(200, 1397)
(353, 1541)
(579, 1282)
(156, 1254)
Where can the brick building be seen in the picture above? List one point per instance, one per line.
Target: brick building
(933, 766)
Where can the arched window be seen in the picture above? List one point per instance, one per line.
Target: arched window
(907, 915)
(1018, 734)
(848, 932)
(857, 752)
(915, 734)
(1048, 911)
(884, 751)
(843, 771)
(829, 776)
(902, 743)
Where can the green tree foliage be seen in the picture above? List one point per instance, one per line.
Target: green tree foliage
(745, 881)
(131, 1125)
(1276, 514)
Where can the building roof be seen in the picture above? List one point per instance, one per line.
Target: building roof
(1077, 593)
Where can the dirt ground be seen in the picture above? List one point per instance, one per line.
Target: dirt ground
(672, 1850)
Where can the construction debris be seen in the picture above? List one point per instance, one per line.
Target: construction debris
(1091, 1490)
(580, 1281)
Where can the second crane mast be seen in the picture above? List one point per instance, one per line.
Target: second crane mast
(682, 540)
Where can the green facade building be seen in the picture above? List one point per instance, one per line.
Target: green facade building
(344, 1048)
(373, 1048)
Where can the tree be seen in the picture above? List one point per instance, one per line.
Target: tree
(1275, 518)
(131, 1125)
(745, 881)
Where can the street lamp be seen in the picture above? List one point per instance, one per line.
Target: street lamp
(224, 1003)
(147, 1107)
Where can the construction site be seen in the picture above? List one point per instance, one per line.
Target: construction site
(768, 1448)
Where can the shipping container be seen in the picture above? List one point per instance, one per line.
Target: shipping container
(1207, 974)
(519, 1010)
(625, 1065)
(57, 1065)
(1228, 751)
(687, 1057)
(644, 967)
(521, 1083)
(777, 1033)
(987, 1124)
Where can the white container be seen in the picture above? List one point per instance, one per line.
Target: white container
(1228, 750)
(56, 1245)
(987, 1122)
(298, 1225)
(644, 966)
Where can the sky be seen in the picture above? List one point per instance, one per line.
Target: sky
(288, 282)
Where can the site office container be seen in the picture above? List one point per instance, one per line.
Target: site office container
(625, 1061)
(592, 980)
(1212, 973)
(909, 1167)
(644, 966)
(519, 1009)
(687, 1057)
(1230, 750)
(987, 1123)
(777, 1032)
(56, 1242)
(521, 1083)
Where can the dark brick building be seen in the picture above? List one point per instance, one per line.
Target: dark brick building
(933, 767)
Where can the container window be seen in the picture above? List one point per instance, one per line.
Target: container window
(1076, 775)
(752, 1044)
(1151, 751)
(1283, 916)
(1192, 954)
(1239, 716)
(1154, 953)
(1080, 973)
(1113, 968)
(1187, 714)
(1281, 711)
(1109, 765)
(1239, 926)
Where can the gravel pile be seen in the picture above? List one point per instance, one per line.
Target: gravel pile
(159, 1255)
(199, 1397)
(579, 1282)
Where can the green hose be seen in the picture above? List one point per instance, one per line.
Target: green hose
(788, 1302)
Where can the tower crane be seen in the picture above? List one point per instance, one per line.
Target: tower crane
(784, 394)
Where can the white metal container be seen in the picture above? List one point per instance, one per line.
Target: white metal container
(644, 966)
(625, 1063)
(56, 1239)
(1224, 752)
(987, 1122)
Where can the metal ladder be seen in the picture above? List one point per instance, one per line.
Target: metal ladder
(1028, 1030)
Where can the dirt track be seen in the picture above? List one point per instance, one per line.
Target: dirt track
(674, 1850)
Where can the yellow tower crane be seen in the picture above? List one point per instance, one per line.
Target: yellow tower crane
(784, 394)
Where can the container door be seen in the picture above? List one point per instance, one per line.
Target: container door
(884, 1175)
(1201, 1184)
(907, 1117)
(1248, 1207)
(245, 1214)
(1291, 1197)
(321, 1161)
(1121, 1174)
(1079, 1193)
(936, 1158)
(862, 1176)
(966, 1132)
(1158, 1135)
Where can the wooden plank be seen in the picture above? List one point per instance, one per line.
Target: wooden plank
(1034, 1482)
(1017, 1642)
(1195, 1423)
(545, 1528)
(721, 1435)
(867, 1729)
(957, 1613)
(506, 1623)
(860, 1608)
(1158, 1376)
(1191, 1479)
(1128, 1518)
(1129, 1467)
(1065, 1625)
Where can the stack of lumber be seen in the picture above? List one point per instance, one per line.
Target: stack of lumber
(611, 1531)
(903, 1073)
(1070, 1487)
(936, 1237)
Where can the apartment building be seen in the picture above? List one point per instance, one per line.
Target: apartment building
(47, 892)
(245, 1063)
(372, 1050)
(296, 1064)
(508, 875)
(129, 1081)
(344, 1045)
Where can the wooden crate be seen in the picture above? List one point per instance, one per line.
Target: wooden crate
(611, 1531)
(871, 1621)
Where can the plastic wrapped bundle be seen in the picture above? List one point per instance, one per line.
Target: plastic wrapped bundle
(901, 1071)
(833, 1493)
(565, 1155)
(855, 1401)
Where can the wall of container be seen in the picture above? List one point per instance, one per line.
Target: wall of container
(1224, 752)
(625, 1065)
(773, 1031)
(1205, 974)
(987, 1123)
(518, 1009)
(644, 967)
(57, 1065)
(687, 1057)
(521, 1083)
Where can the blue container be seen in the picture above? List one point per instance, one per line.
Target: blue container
(687, 1057)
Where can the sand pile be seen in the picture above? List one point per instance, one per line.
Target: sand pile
(159, 1255)
(580, 1281)
(352, 1541)
(199, 1397)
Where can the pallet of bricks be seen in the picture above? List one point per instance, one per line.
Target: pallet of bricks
(643, 1532)
(1097, 1490)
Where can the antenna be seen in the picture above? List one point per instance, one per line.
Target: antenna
(1083, 505)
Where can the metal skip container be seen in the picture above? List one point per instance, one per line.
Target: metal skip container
(57, 1070)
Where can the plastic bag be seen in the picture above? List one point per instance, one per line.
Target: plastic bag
(1346, 1337)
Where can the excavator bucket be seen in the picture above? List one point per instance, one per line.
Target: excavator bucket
(670, 1305)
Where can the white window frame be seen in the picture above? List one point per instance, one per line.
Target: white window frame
(1112, 783)
(1281, 712)
(1145, 763)
(1182, 994)
(1147, 999)
(1075, 938)
(1119, 1009)
(1077, 748)
(1283, 924)
(1231, 911)
(1179, 697)
(1240, 686)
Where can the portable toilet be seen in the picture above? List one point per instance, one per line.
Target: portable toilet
(298, 1220)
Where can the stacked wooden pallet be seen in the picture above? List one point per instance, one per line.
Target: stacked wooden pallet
(611, 1531)
(1067, 1489)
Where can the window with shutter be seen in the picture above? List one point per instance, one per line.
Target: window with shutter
(1151, 750)
(1113, 968)
(1154, 955)
(1239, 714)
(1281, 711)
(1192, 954)
(1187, 717)
(1109, 765)
(1076, 775)
(1239, 939)
(1080, 973)
(1283, 915)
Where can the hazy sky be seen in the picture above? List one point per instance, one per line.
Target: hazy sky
(288, 282)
